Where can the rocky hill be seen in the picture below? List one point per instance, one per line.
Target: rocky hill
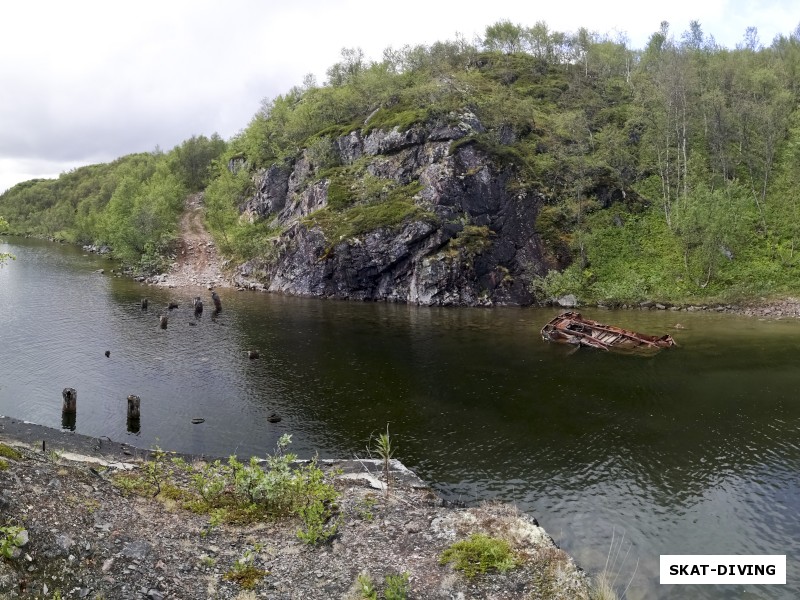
(521, 167)
(424, 216)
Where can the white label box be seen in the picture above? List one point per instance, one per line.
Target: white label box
(723, 569)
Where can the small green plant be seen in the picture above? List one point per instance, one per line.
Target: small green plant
(364, 509)
(216, 519)
(365, 587)
(207, 561)
(318, 524)
(155, 470)
(382, 446)
(316, 507)
(3, 464)
(244, 572)
(478, 554)
(127, 483)
(12, 537)
(396, 587)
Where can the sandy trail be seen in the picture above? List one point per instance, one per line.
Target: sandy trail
(197, 262)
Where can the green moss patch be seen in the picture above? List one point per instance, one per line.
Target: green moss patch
(357, 206)
(246, 577)
(478, 554)
(362, 219)
(472, 240)
(402, 117)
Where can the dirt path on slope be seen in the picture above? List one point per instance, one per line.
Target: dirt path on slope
(197, 262)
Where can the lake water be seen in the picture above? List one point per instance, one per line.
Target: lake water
(693, 451)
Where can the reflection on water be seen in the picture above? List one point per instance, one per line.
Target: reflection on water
(693, 451)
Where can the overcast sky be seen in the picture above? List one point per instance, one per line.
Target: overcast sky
(83, 82)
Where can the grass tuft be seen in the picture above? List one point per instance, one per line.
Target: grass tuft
(9, 452)
(478, 554)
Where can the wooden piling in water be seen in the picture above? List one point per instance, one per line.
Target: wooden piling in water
(70, 405)
(134, 407)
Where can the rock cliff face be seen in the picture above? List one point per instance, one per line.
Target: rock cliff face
(466, 239)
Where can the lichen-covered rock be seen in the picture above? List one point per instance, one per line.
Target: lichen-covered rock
(271, 193)
(468, 236)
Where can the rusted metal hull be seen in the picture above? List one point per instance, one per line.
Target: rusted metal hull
(571, 328)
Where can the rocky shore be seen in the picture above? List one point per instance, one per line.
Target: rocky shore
(765, 308)
(78, 534)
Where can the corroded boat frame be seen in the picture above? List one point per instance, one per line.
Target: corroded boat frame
(572, 328)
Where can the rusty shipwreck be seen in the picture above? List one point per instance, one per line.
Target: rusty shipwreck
(572, 328)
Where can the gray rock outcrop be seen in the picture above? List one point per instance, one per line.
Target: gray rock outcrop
(470, 241)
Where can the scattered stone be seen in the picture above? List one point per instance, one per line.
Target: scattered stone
(136, 550)
(64, 542)
(416, 526)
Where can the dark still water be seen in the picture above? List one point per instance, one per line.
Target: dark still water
(693, 451)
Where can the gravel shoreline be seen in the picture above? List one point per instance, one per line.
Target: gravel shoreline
(85, 538)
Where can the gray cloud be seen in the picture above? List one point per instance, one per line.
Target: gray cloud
(91, 81)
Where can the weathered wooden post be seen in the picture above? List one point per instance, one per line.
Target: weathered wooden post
(134, 412)
(134, 406)
(162, 321)
(145, 301)
(70, 405)
(217, 302)
(69, 408)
